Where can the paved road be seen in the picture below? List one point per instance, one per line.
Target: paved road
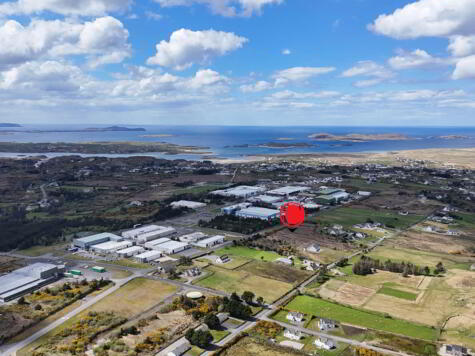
(11, 349)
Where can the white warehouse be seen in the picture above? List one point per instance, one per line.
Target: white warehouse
(130, 251)
(152, 244)
(196, 236)
(111, 246)
(148, 256)
(187, 204)
(284, 191)
(172, 247)
(210, 241)
(242, 191)
(147, 233)
(258, 213)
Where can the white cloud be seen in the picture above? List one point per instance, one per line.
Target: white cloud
(297, 74)
(103, 41)
(206, 77)
(257, 87)
(414, 59)
(153, 15)
(228, 8)
(286, 52)
(288, 94)
(187, 47)
(465, 68)
(462, 46)
(65, 7)
(376, 73)
(434, 18)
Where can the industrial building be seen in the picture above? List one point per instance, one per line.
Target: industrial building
(147, 233)
(148, 256)
(332, 198)
(130, 251)
(267, 199)
(258, 213)
(151, 244)
(233, 208)
(285, 191)
(196, 236)
(210, 241)
(111, 246)
(172, 247)
(311, 206)
(187, 204)
(88, 241)
(242, 191)
(26, 280)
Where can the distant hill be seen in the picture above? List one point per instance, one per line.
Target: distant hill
(114, 128)
(6, 124)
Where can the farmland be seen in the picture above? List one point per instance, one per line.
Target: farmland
(326, 309)
(252, 347)
(397, 293)
(240, 281)
(249, 253)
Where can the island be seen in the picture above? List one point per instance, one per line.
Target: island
(275, 145)
(101, 148)
(358, 137)
(89, 129)
(157, 136)
(7, 124)
(454, 137)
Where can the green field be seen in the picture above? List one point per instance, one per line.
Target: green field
(326, 309)
(128, 263)
(351, 216)
(397, 293)
(249, 253)
(236, 261)
(241, 281)
(219, 335)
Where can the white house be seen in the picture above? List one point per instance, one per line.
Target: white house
(285, 261)
(222, 259)
(326, 324)
(324, 343)
(293, 334)
(179, 349)
(313, 248)
(295, 316)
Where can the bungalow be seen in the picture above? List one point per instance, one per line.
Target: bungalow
(180, 349)
(222, 259)
(285, 261)
(222, 317)
(295, 316)
(293, 334)
(326, 324)
(324, 343)
(313, 248)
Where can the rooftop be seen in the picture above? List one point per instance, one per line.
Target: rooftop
(262, 212)
(95, 237)
(288, 190)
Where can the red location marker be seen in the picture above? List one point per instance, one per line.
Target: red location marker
(292, 215)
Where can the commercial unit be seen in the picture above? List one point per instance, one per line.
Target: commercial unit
(335, 197)
(196, 236)
(210, 241)
(285, 191)
(148, 256)
(172, 247)
(187, 204)
(311, 206)
(151, 244)
(26, 280)
(242, 191)
(98, 269)
(233, 208)
(329, 191)
(130, 251)
(267, 199)
(258, 213)
(88, 241)
(111, 246)
(147, 233)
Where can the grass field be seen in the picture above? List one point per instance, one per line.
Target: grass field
(36, 251)
(249, 253)
(351, 216)
(236, 261)
(276, 271)
(241, 281)
(219, 335)
(128, 263)
(397, 293)
(326, 309)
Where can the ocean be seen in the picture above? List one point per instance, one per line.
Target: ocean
(224, 141)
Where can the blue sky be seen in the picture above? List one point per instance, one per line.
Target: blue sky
(238, 62)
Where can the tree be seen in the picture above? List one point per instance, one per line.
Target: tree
(439, 268)
(260, 300)
(426, 270)
(248, 297)
(21, 301)
(185, 261)
(199, 338)
(212, 321)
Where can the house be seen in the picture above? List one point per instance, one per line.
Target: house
(326, 324)
(202, 327)
(313, 248)
(223, 259)
(285, 261)
(293, 334)
(456, 350)
(222, 317)
(193, 272)
(324, 343)
(295, 316)
(310, 265)
(180, 349)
